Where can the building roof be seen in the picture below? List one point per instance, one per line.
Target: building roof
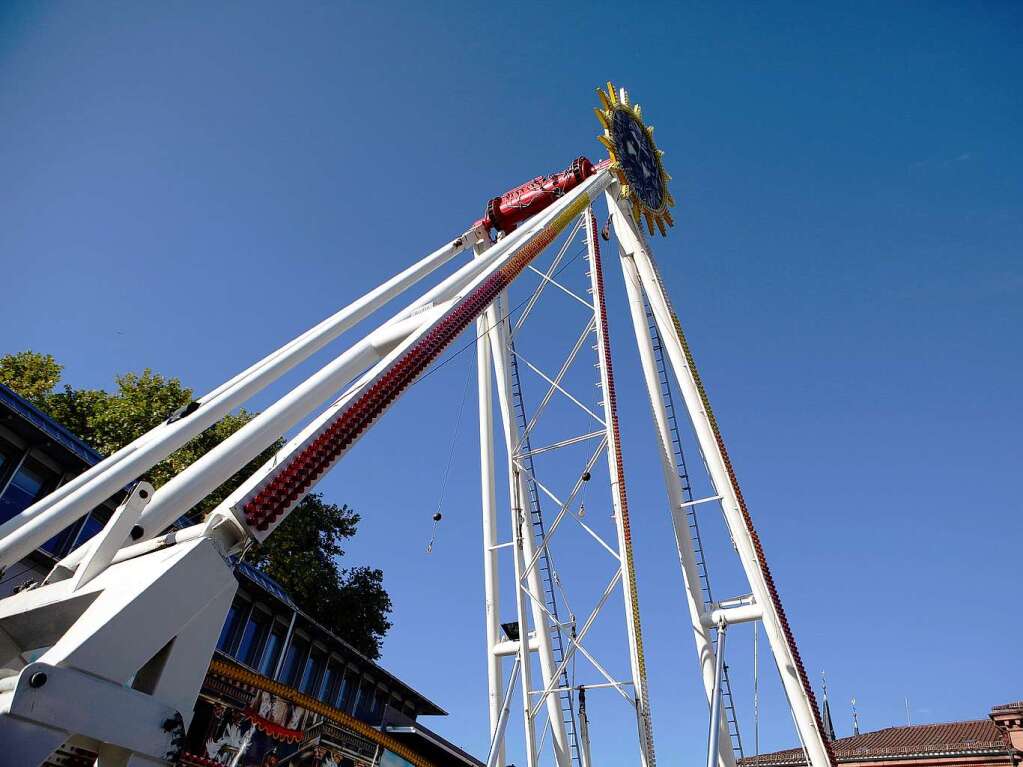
(1017, 706)
(431, 745)
(265, 582)
(53, 430)
(980, 736)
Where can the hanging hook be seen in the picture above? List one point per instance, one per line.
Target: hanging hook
(433, 536)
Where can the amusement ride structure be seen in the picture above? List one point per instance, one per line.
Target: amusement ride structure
(110, 649)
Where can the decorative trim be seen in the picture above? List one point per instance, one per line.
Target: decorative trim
(290, 694)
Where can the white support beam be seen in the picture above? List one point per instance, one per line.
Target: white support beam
(75, 499)
(530, 582)
(104, 546)
(495, 758)
(491, 569)
(499, 358)
(676, 504)
(134, 640)
(718, 616)
(798, 693)
(619, 500)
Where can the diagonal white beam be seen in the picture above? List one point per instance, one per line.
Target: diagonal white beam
(561, 287)
(568, 442)
(577, 640)
(554, 384)
(549, 273)
(557, 379)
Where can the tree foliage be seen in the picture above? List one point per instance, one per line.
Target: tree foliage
(303, 554)
(30, 374)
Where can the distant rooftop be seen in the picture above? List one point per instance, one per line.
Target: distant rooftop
(975, 737)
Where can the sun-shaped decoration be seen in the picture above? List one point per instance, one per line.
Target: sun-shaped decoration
(635, 159)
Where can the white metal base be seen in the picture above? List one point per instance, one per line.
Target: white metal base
(132, 646)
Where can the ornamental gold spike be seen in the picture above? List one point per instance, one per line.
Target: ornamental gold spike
(635, 159)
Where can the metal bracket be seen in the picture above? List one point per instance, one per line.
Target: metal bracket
(105, 545)
(55, 698)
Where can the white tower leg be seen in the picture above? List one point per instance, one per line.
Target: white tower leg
(797, 687)
(524, 548)
(679, 520)
(491, 590)
(619, 500)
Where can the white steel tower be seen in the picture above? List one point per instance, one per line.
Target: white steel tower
(129, 620)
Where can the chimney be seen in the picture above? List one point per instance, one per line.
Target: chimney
(1009, 719)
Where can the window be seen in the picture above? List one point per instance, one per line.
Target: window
(256, 629)
(312, 671)
(294, 660)
(379, 703)
(9, 454)
(364, 708)
(331, 682)
(91, 527)
(60, 544)
(31, 481)
(227, 634)
(390, 759)
(272, 651)
(350, 693)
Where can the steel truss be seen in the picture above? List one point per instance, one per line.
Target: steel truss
(534, 539)
(129, 620)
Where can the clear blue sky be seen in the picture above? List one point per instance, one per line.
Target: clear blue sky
(185, 187)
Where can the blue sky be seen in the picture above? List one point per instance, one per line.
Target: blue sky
(186, 187)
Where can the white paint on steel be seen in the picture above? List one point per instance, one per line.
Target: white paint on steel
(522, 524)
(105, 544)
(673, 485)
(713, 730)
(36, 524)
(491, 569)
(499, 358)
(615, 470)
(495, 758)
(634, 243)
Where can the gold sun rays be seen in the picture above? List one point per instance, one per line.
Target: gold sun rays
(610, 102)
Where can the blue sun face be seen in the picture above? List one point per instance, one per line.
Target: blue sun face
(638, 158)
(635, 160)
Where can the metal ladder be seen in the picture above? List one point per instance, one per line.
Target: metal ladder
(694, 526)
(566, 694)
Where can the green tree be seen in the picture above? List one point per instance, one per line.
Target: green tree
(30, 374)
(303, 554)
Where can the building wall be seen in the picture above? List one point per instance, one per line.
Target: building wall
(30, 468)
